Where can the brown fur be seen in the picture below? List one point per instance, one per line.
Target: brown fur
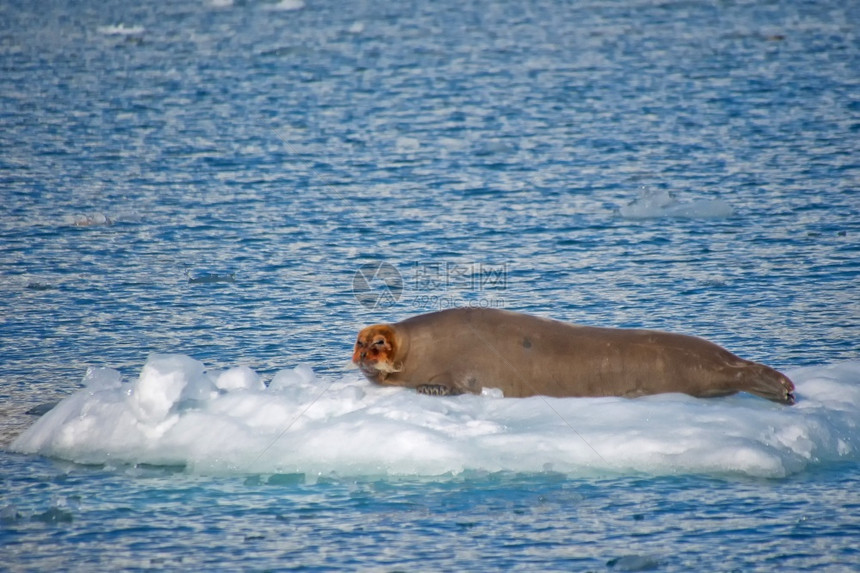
(467, 349)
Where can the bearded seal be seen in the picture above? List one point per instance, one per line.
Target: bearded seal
(464, 350)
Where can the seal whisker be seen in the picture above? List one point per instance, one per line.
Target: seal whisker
(386, 367)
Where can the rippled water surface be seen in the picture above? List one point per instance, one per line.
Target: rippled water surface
(207, 178)
(471, 522)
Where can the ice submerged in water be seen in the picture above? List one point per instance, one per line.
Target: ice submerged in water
(178, 413)
(657, 204)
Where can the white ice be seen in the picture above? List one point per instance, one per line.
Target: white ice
(88, 219)
(657, 204)
(121, 30)
(286, 5)
(178, 413)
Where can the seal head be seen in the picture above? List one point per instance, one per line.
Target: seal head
(375, 350)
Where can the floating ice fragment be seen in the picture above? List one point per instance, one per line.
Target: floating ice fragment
(89, 220)
(175, 413)
(121, 30)
(657, 204)
(286, 5)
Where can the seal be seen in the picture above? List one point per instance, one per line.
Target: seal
(464, 350)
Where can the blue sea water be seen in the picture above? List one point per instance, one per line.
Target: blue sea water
(196, 199)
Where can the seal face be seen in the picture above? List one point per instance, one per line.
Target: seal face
(465, 350)
(374, 352)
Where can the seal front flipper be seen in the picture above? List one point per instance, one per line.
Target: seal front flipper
(442, 384)
(436, 390)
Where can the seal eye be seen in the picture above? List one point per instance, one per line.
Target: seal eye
(380, 342)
